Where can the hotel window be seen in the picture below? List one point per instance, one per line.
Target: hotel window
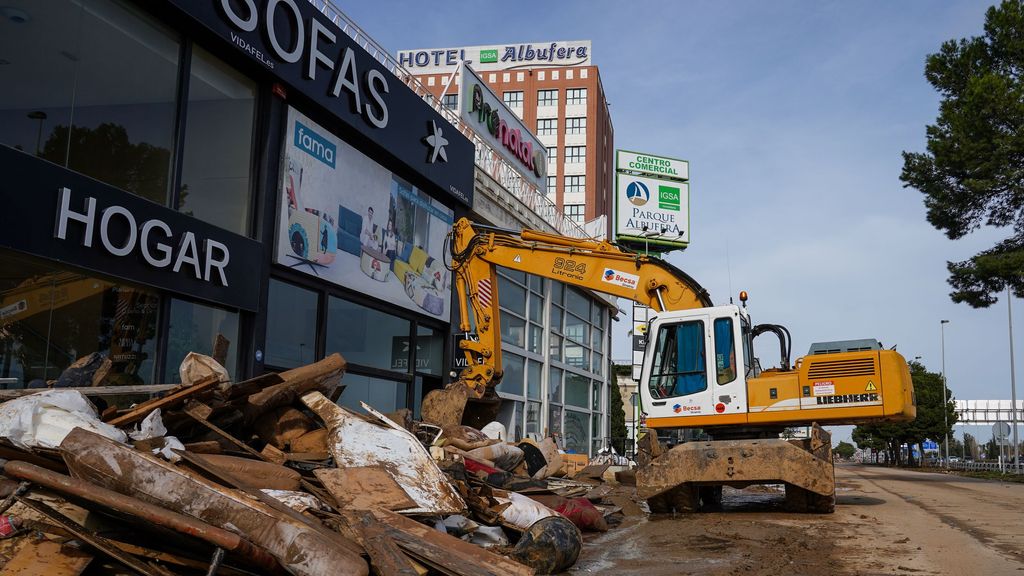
(576, 96)
(575, 154)
(514, 99)
(547, 98)
(450, 101)
(574, 184)
(552, 183)
(574, 212)
(576, 125)
(547, 126)
(552, 154)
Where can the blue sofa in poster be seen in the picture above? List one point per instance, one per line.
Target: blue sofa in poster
(350, 225)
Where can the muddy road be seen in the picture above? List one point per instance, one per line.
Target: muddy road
(886, 522)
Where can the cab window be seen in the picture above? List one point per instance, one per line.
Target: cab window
(680, 360)
(725, 351)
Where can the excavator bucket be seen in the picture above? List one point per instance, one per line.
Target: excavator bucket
(691, 475)
(456, 405)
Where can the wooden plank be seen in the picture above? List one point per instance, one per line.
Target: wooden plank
(93, 390)
(46, 558)
(386, 557)
(98, 542)
(216, 430)
(447, 553)
(250, 386)
(364, 488)
(143, 410)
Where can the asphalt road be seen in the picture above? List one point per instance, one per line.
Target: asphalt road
(886, 522)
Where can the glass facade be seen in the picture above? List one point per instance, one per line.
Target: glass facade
(554, 340)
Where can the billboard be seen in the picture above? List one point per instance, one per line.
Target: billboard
(491, 57)
(652, 201)
(482, 109)
(347, 220)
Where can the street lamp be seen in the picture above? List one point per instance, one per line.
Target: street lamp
(1013, 385)
(945, 407)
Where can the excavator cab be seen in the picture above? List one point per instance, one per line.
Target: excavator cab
(695, 367)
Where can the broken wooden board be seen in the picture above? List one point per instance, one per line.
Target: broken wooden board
(300, 547)
(353, 441)
(445, 553)
(364, 488)
(324, 376)
(592, 471)
(172, 399)
(46, 558)
(385, 555)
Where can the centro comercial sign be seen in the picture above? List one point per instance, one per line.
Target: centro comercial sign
(502, 129)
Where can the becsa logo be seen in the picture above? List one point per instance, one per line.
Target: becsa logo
(620, 278)
(608, 274)
(637, 193)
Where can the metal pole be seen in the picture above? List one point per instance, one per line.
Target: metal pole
(945, 408)
(1013, 384)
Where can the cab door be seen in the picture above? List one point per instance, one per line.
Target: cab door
(676, 375)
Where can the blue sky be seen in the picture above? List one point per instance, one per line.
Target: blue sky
(793, 115)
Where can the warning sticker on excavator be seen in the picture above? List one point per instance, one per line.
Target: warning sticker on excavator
(870, 387)
(826, 388)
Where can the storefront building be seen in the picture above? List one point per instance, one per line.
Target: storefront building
(229, 177)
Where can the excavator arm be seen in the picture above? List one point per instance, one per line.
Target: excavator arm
(478, 250)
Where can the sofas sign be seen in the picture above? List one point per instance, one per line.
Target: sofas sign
(302, 48)
(348, 220)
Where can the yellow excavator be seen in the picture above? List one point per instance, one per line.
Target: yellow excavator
(699, 371)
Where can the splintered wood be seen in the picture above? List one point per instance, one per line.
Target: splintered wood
(364, 488)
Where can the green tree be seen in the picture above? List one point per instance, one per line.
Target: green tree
(616, 415)
(970, 175)
(929, 423)
(845, 450)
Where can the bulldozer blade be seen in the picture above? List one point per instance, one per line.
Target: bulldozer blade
(684, 468)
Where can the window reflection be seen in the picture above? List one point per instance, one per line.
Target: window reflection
(64, 99)
(202, 329)
(291, 325)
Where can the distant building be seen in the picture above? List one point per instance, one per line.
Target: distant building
(556, 90)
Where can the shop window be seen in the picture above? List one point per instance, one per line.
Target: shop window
(511, 416)
(513, 330)
(512, 381)
(511, 296)
(555, 422)
(203, 329)
(554, 385)
(368, 337)
(536, 339)
(555, 347)
(577, 390)
(217, 156)
(534, 370)
(533, 418)
(429, 350)
(91, 85)
(54, 316)
(576, 439)
(291, 325)
(384, 395)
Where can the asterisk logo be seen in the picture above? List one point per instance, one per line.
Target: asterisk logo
(437, 142)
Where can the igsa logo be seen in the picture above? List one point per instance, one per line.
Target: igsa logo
(637, 193)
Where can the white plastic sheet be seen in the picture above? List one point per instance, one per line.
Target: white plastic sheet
(43, 419)
(151, 427)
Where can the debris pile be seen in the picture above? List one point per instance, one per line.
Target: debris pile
(272, 476)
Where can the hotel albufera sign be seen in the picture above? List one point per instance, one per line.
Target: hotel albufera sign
(491, 57)
(482, 109)
(652, 201)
